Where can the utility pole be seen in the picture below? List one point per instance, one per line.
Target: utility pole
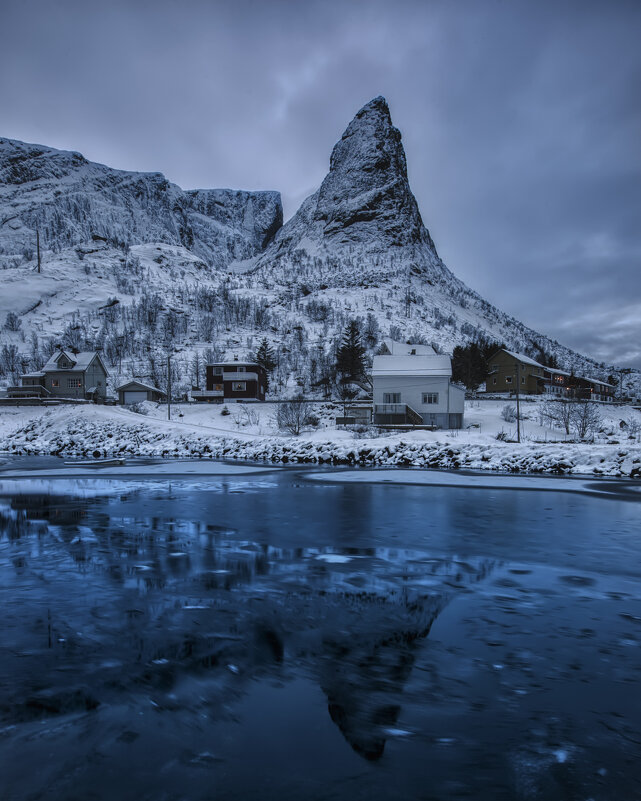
(169, 386)
(518, 404)
(38, 246)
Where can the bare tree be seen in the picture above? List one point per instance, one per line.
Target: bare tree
(557, 412)
(292, 415)
(585, 417)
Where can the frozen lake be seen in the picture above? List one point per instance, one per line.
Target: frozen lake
(266, 634)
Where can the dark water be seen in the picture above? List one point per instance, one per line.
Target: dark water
(269, 637)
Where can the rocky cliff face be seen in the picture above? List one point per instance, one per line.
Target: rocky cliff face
(363, 224)
(72, 200)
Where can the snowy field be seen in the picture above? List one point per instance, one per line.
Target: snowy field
(249, 432)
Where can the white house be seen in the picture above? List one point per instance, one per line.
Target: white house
(412, 385)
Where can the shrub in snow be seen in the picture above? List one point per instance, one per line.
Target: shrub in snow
(13, 322)
(246, 416)
(502, 436)
(312, 420)
(138, 408)
(224, 411)
(291, 415)
(632, 426)
(508, 413)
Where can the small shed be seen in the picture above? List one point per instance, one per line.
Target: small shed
(136, 392)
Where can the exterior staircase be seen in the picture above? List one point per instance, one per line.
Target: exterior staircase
(396, 414)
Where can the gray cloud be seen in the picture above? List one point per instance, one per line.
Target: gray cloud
(521, 123)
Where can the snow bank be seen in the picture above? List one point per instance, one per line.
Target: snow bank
(101, 432)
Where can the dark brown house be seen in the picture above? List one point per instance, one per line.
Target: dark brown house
(233, 381)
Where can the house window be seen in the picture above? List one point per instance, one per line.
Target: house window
(495, 367)
(391, 397)
(508, 379)
(218, 370)
(238, 386)
(523, 379)
(430, 397)
(494, 380)
(241, 369)
(99, 383)
(74, 382)
(55, 382)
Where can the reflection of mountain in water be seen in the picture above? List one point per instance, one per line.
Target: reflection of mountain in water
(166, 599)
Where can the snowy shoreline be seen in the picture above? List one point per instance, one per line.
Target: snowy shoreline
(102, 432)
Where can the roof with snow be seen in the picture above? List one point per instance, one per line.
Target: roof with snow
(428, 365)
(79, 361)
(139, 385)
(521, 357)
(600, 382)
(406, 348)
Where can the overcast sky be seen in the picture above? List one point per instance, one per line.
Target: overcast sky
(521, 123)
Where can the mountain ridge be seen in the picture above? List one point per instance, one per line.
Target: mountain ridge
(70, 199)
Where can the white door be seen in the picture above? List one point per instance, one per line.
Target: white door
(134, 397)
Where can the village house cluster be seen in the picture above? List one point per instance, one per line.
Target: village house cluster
(514, 372)
(411, 385)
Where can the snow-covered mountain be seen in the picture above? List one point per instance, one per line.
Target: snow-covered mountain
(363, 217)
(133, 263)
(72, 200)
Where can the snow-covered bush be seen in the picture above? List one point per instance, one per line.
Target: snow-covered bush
(508, 413)
(137, 408)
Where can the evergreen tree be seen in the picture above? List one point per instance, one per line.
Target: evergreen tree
(350, 356)
(470, 362)
(265, 358)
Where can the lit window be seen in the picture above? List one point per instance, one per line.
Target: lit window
(238, 386)
(494, 380)
(430, 397)
(55, 382)
(508, 379)
(74, 382)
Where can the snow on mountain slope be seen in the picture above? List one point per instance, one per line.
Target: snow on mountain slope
(71, 199)
(79, 282)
